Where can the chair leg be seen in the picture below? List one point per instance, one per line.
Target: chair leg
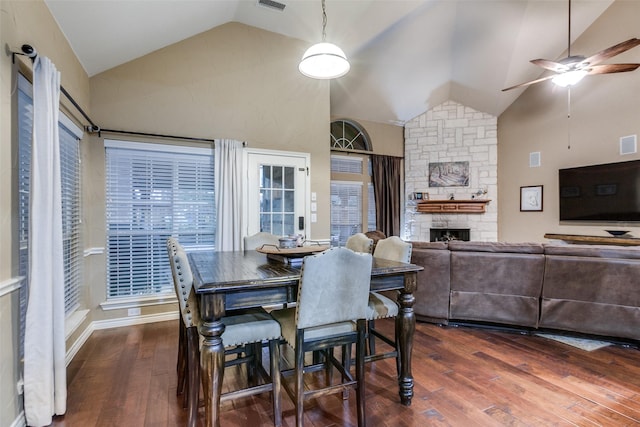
(371, 325)
(181, 366)
(328, 366)
(398, 329)
(346, 362)
(299, 386)
(193, 374)
(360, 392)
(274, 352)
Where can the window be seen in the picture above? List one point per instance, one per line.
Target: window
(352, 201)
(70, 185)
(154, 191)
(349, 135)
(353, 208)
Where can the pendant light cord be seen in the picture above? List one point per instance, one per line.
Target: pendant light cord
(569, 118)
(324, 21)
(569, 32)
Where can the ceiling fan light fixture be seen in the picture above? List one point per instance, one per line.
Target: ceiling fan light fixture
(324, 61)
(569, 78)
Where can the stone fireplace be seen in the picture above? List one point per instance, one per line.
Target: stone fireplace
(451, 132)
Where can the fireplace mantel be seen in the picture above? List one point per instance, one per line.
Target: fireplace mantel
(453, 206)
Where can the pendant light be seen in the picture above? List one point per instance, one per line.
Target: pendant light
(324, 60)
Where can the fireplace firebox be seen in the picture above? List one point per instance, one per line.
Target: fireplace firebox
(447, 234)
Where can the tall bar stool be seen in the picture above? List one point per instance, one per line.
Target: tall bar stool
(250, 327)
(330, 312)
(380, 306)
(359, 242)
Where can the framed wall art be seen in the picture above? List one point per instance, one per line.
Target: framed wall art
(531, 198)
(449, 174)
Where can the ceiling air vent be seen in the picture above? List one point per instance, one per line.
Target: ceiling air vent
(272, 4)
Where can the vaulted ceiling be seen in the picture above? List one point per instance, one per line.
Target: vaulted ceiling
(406, 55)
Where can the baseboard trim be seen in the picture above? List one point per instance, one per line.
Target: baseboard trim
(20, 421)
(134, 320)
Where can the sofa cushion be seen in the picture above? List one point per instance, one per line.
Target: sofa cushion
(443, 246)
(432, 291)
(595, 251)
(493, 286)
(525, 248)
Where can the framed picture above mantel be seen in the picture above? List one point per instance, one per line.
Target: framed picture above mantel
(449, 174)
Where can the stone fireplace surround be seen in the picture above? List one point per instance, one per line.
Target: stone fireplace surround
(451, 132)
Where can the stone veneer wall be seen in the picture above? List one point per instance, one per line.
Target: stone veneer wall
(452, 132)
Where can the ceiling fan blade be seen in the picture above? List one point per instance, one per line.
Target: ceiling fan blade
(530, 83)
(550, 65)
(612, 68)
(611, 52)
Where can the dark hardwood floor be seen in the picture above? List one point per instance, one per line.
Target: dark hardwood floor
(463, 377)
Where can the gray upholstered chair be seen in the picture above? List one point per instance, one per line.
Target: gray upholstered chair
(330, 312)
(381, 306)
(247, 328)
(359, 242)
(259, 239)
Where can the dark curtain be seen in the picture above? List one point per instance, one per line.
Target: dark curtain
(387, 171)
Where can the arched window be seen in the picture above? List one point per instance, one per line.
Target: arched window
(349, 135)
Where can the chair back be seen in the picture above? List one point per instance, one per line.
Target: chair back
(183, 283)
(359, 242)
(259, 239)
(394, 249)
(334, 287)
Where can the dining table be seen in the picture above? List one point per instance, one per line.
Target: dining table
(226, 281)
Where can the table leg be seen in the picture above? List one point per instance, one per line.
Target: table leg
(211, 361)
(405, 328)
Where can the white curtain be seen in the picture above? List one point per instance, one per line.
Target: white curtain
(228, 174)
(45, 382)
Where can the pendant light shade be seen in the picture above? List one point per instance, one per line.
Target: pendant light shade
(324, 60)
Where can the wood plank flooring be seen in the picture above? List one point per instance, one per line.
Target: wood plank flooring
(463, 377)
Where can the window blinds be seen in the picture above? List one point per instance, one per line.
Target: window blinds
(153, 192)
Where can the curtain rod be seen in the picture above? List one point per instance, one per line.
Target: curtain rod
(126, 132)
(30, 52)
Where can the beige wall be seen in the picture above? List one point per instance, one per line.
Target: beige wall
(22, 22)
(603, 109)
(234, 81)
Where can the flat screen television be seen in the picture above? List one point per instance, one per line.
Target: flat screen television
(606, 192)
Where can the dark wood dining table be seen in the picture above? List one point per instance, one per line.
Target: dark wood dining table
(237, 280)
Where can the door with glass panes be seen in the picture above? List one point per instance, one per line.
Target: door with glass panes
(277, 193)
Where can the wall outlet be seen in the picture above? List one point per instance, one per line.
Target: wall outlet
(134, 311)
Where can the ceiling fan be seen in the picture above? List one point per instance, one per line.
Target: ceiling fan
(573, 68)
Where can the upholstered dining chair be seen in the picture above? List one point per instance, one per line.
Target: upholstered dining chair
(259, 239)
(359, 242)
(381, 306)
(247, 328)
(332, 305)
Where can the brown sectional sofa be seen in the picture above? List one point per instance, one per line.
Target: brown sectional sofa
(590, 289)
